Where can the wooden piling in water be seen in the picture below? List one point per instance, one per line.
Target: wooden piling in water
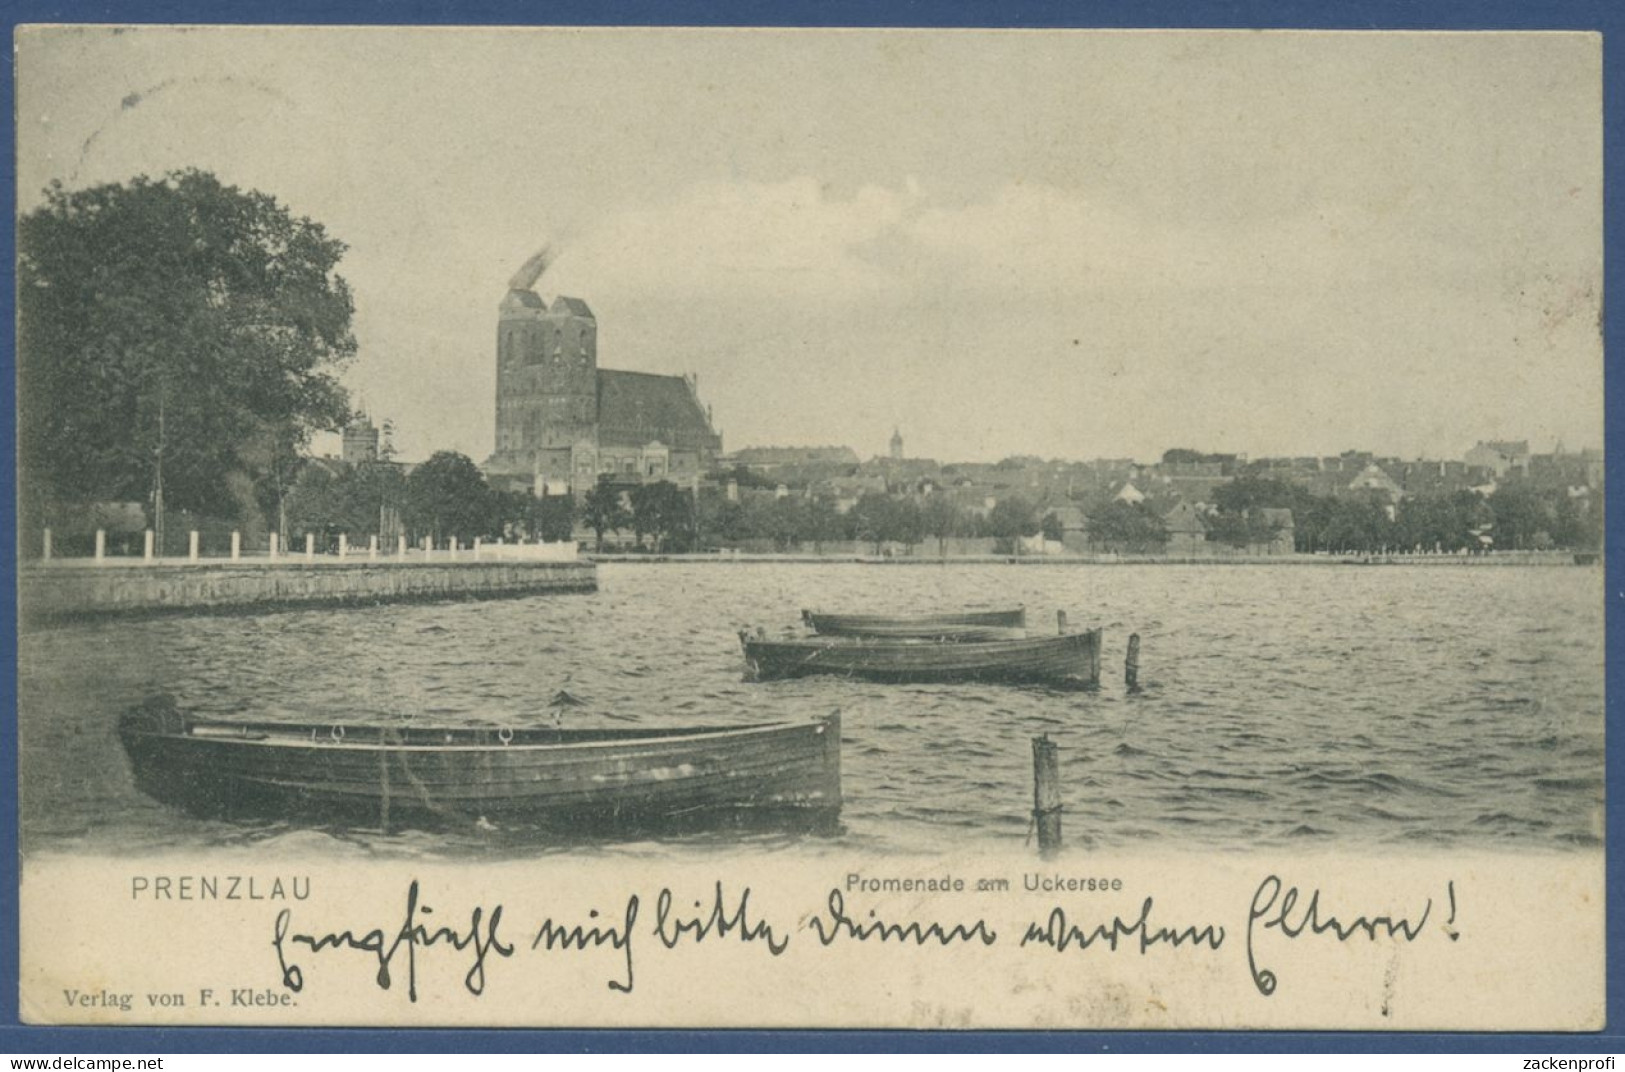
(1131, 664)
(383, 786)
(1060, 622)
(1046, 795)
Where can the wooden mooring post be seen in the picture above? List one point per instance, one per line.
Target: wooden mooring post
(1046, 795)
(1131, 664)
(1060, 622)
(383, 785)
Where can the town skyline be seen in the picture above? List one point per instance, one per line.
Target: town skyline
(1282, 244)
(329, 444)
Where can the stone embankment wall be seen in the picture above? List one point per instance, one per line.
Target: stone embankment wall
(78, 589)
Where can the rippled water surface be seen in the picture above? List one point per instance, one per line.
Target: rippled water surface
(1282, 705)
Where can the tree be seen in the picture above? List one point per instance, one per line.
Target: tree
(1118, 525)
(603, 512)
(1011, 519)
(1247, 493)
(665, 512)
(871, 518)
(941, 518)
(327, 502)
(172, 334)
(721, 520)
(447, 496)
(822, 522)
(522, 515)
(1248, 529)
(553, 517)
(1520, 516)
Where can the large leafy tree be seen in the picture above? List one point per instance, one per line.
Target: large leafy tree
(603, 512)
(173, 334)
(447, 497)
(663, 511)
(354, 501)
(1122, 526)
(1010, 519)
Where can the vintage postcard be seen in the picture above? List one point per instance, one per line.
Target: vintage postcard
(799, 528)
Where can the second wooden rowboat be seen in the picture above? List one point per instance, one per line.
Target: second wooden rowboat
(964, 625)
(394, 773)
(1068, 659)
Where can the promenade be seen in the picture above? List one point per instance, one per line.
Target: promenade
(86, 587)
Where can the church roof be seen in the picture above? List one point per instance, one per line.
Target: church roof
(655, 407)
(573, 306)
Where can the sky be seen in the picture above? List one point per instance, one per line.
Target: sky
(1072, 244)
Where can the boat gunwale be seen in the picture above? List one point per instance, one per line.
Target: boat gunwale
(818, 726)
(985, 616)
(821, 642)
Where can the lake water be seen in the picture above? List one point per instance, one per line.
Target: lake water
(1282, 705)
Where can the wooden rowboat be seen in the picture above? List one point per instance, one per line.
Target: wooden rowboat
(967, 625)
(1068, 659)
(382, 773)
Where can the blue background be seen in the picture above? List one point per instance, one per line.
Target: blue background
(1362, 15)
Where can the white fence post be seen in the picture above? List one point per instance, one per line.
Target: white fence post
(400, 545)
(236, 545)
(372, 546)
(273, 544)
(46, 552)
(310, 547)
(191, 545)
(146, 545)
(101, 544)
(344, 544)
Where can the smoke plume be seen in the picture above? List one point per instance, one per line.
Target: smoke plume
(532, 269)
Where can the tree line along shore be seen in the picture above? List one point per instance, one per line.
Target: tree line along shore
(180, 341)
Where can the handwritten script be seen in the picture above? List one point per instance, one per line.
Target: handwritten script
(1277, 909)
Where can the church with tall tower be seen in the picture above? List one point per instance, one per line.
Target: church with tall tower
(562, 422)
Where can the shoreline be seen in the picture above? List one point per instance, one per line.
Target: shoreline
(79, 590)
(1542, 559)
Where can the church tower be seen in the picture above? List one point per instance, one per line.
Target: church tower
(547, 377)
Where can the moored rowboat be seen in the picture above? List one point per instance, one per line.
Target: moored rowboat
(1069, 659)
(965, 625)
(384, 773)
